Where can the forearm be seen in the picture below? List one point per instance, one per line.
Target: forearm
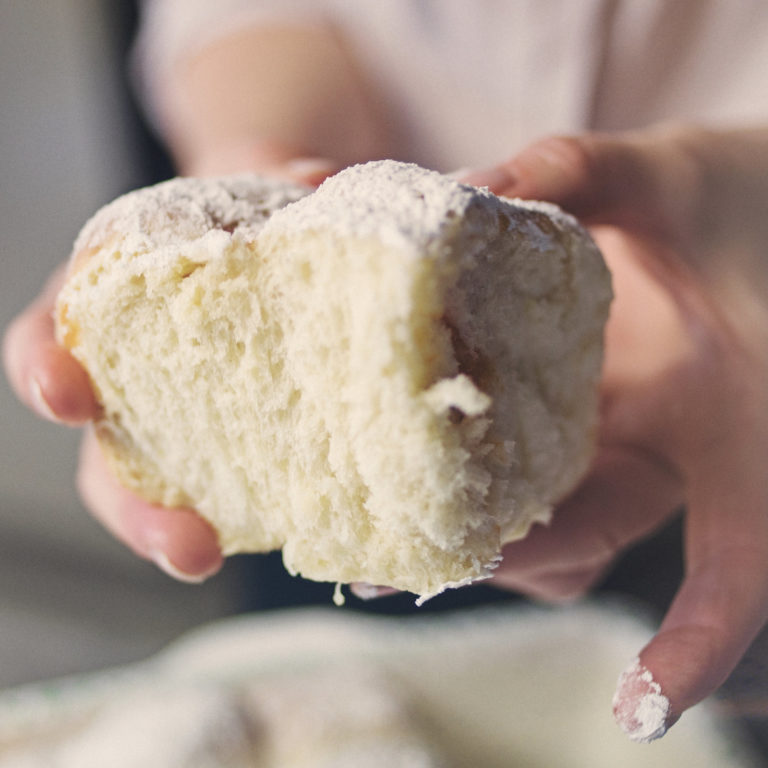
(269, 93)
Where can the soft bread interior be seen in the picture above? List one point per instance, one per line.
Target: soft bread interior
(303, 399)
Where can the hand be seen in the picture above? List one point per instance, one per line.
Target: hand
(684, 415)
(51, 382)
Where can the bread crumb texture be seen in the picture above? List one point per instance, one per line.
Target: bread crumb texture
(387, 378)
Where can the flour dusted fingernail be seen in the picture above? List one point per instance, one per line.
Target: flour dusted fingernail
(639, 706)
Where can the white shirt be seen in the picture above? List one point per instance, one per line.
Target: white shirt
(473, 81)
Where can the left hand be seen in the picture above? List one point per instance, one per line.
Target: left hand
(682, 217)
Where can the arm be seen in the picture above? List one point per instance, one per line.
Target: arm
(265, 95)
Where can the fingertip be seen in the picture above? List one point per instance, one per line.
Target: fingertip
(498, 179)
(167, 566)
(717, 612)
(310, 170)
(364, 591)
(59, 389)
(553, 169)
(678, 668)
(558, 169)
(640, 708)
(596, 177)
(43, 374)
(176, 539)
(180, 542)
(689, 662)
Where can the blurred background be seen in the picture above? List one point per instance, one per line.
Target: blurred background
(72, 599)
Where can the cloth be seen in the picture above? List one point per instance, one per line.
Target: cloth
(319, 688)
(473, 81)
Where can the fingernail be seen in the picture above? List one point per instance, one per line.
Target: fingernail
(40, 405)
(640, 708)
(364, 591)
(460, 173)
(163, 562)
(496, 179)
(310, 168)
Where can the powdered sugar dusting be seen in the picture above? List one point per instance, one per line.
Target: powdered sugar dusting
(639, 706)
(401, 204)
(186, 209)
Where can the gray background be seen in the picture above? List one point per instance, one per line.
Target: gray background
(71, 599)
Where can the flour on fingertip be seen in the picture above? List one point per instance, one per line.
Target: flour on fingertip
(639, 706)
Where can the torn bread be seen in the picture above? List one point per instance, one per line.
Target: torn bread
(387, 378)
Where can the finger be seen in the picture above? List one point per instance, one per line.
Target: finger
(364, 591)
(557, 585)
(265, 157)
(580, 173)
(716, 614)
(178, 540)
(630, 180)
(43, 374)
(308, 170)
(626, 495)
(722, 603)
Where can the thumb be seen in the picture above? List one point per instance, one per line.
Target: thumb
(634, 180)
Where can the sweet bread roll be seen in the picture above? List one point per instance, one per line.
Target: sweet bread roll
(387, 378)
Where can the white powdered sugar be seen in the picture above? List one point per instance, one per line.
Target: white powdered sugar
(401, 204)
(639, 706)
(166, 214)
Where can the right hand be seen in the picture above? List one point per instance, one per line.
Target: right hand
(49, 380)
(56, 387)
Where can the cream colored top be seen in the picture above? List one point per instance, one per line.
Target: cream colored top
(472, 81)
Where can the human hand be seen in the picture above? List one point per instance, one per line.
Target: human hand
(54, 385)
(684, 414)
